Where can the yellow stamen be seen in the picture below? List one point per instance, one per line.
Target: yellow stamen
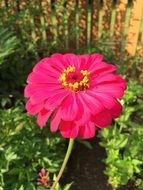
(76, 86)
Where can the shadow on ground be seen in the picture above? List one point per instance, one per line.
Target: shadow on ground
(85, 168)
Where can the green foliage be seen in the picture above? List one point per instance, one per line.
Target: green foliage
(66, 187)
(25, 149)
(8, 43)
(123, 141)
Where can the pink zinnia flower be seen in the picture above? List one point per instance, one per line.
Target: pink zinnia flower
(79, 92)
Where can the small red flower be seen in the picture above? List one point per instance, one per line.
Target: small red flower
(78, 92)
(43, 178)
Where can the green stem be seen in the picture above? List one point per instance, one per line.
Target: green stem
(68, 153)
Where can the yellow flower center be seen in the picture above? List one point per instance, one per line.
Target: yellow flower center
(73, 80)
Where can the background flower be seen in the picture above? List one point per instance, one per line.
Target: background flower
(79, 92)
(43, 178)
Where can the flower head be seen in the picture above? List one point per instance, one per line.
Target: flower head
(43, 178)
(78, 92)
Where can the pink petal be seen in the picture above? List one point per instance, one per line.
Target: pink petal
(103, 119)
(56, 119)
(87, 131)
(106, 100)
(91, 103)
(83, 115)
(95, 58)
(39, 97)
(39, 78)
(109, 79)
(95, 65)
(43, 117)
(56, 99)
(72, 59)
(113, 90)
(33, 109)
(102, 68)
(68, 129)
(111, 104)
(93, 61)
(42, 95)
(45, 66)
(83, 59)
(116, 110)
(69, 108)
(31, 89)
(43, 171)
(58, 61)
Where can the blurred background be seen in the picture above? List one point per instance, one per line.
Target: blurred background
(31, 30)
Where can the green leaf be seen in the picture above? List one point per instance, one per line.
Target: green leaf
(21, 187)
(68, 186)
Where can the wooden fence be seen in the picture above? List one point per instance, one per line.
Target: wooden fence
(75, 24)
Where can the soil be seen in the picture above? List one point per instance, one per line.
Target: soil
(85, 168)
